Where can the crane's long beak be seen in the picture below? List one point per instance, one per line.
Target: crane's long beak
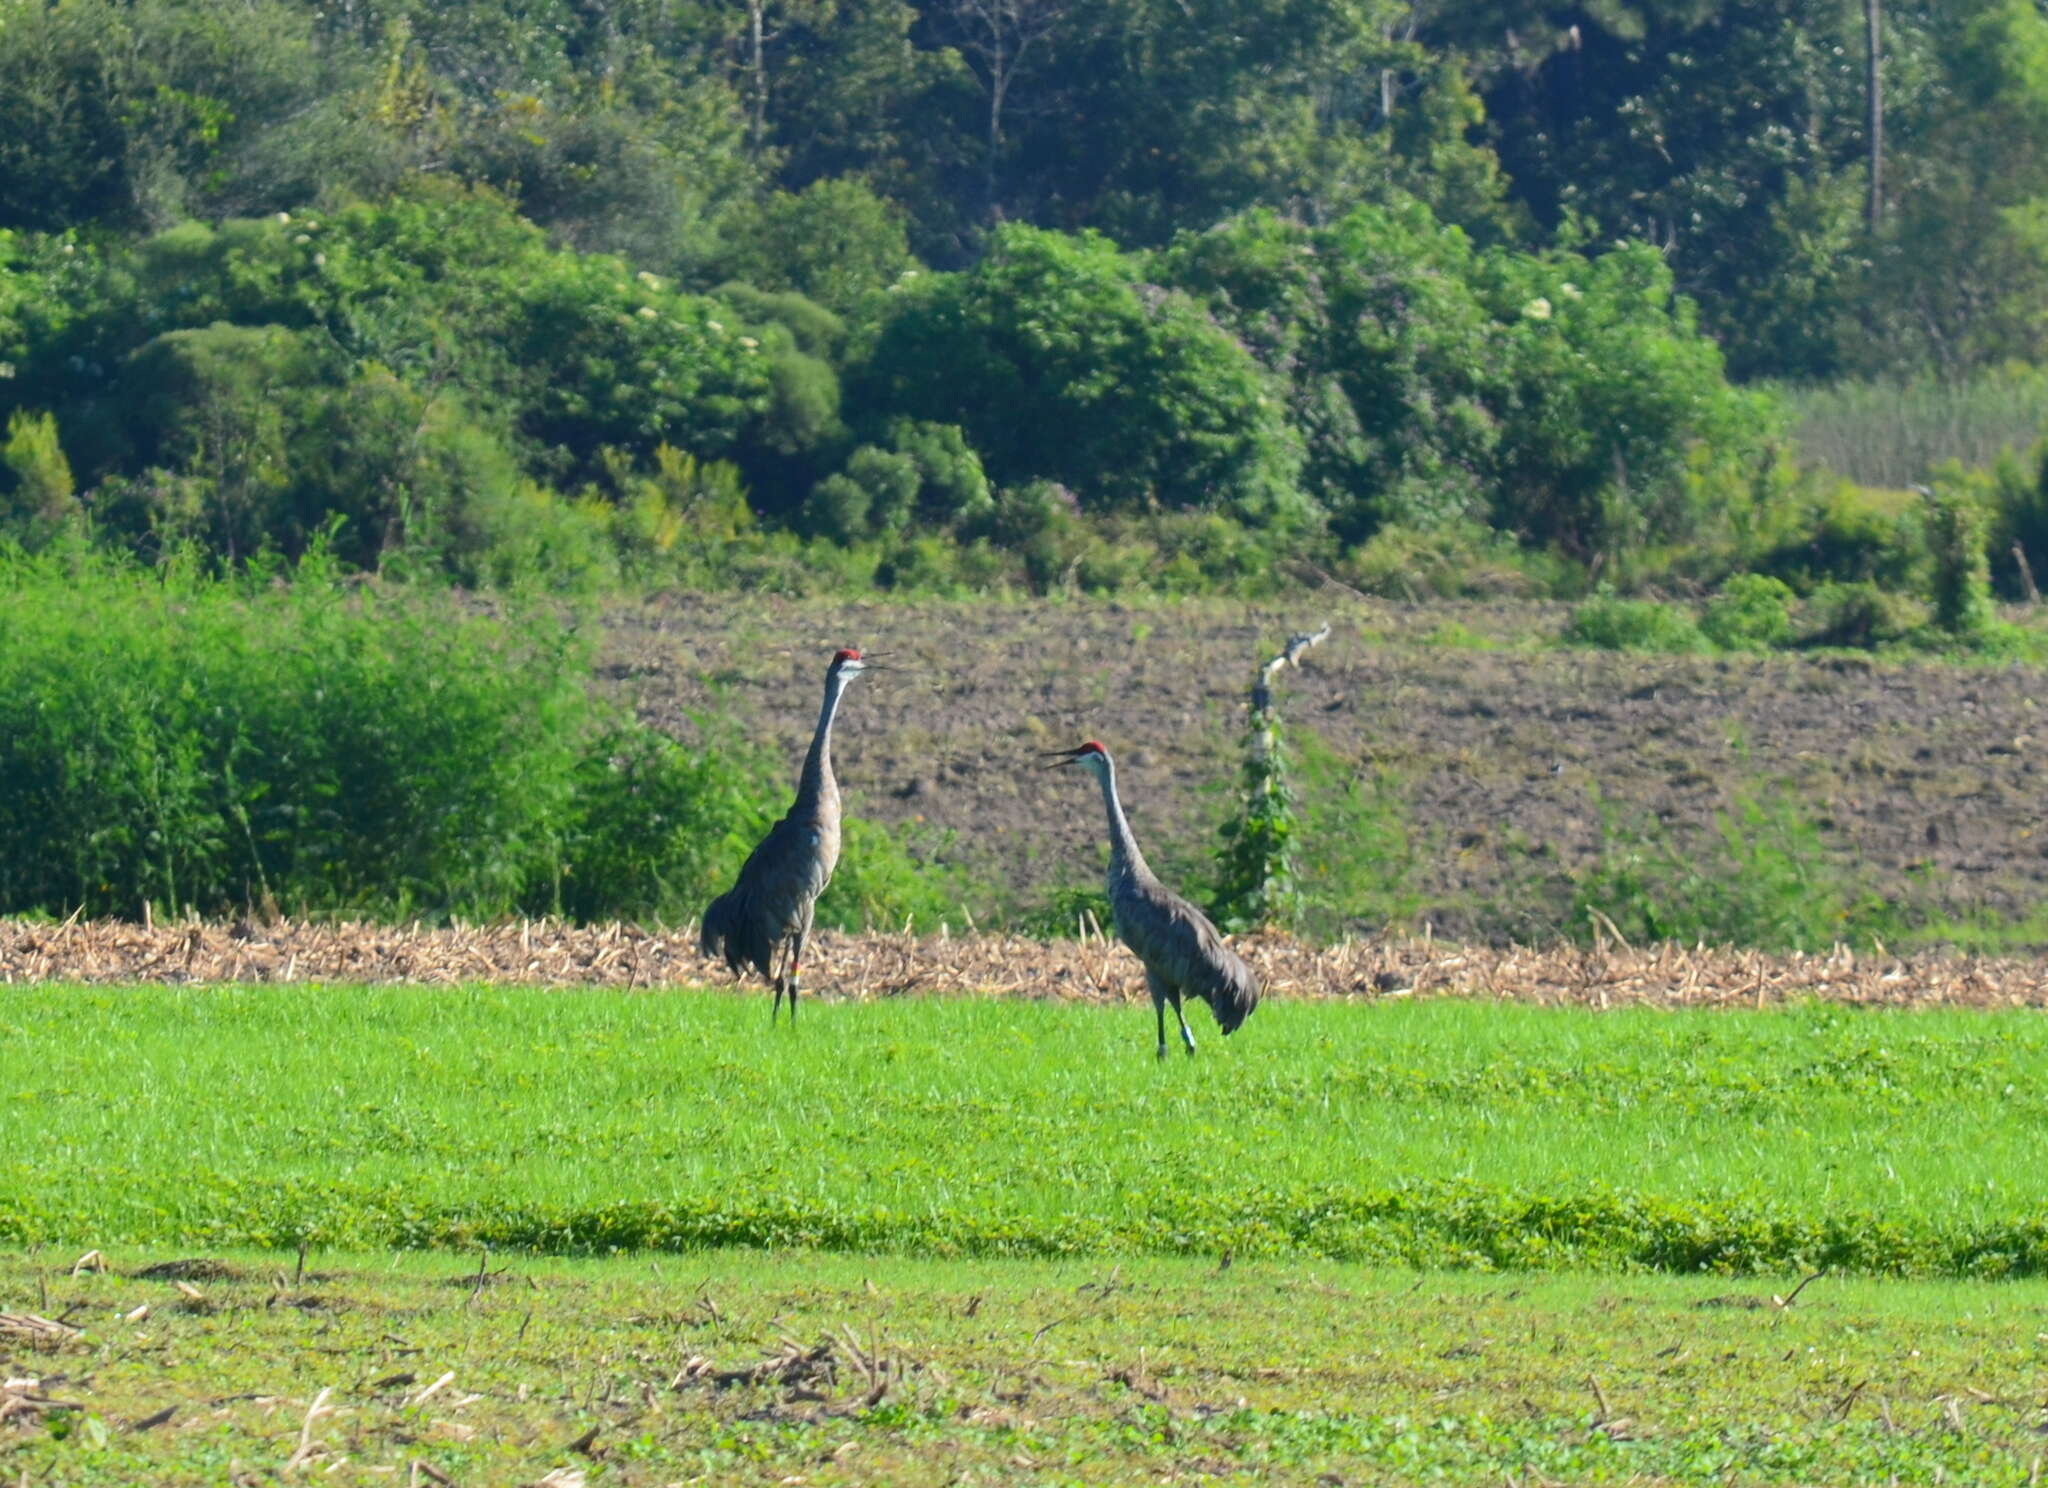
(1061, 757)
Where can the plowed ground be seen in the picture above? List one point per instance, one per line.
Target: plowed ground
(1924, 776)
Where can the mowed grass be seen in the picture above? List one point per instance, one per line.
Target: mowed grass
(1433, 1133)
(775, 1368)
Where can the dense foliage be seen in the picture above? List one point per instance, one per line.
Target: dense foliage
(944, 294)
(330, 748)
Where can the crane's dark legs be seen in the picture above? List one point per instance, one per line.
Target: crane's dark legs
(796, 957)
(1186, 1037)
(784, 981)
(1158, 989)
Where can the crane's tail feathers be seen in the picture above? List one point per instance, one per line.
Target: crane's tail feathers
(734, 934)
(1234, 997)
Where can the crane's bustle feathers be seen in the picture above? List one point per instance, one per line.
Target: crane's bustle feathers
(1177, 944)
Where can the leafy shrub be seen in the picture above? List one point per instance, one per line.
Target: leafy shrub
(952, 486)
(1753, 612)
(1761, 878)
(184, 744)
(1859, 615)
(1957, 530)
(2017, 492)
(834, 242)
(885, 882)
(1853, 534)
(1067, 913)
(1570, 401)
(1372, 331)
(1633, 625)
(1059, 362)
(1255, 876)
(37, 493)
(1356, 855)
(325, 748)
(1605, 390)
(1457, 560)
(814, 330)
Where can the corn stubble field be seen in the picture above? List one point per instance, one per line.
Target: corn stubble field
(537, 1204)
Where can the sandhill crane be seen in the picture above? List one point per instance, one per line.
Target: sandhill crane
(1182, 953)
(769, 909)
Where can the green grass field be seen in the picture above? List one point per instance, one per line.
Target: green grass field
(956, 1241)
(784, 1368)
(1439, 1134)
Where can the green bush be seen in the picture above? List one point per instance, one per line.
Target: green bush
(1753, 612)
(1059, 362)
(37, 493)
(1860, 615)
(168, 741)
(1356, 856)
(1761, 878)
(1568, 400)
(834, 242)
(1456, 560)
(294, 742)
(1958, 528)
(1853, 534)
(2018, 497)
(1256, 885)
(952, 486)
(1633, 625)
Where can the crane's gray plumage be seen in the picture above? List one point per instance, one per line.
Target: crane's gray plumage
(1182, 953)
(770, 907)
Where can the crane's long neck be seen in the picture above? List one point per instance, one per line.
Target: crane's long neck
(817, 779)
(1124, 856)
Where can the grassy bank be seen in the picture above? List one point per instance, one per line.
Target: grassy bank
(1438, 1134)
(751, 1367)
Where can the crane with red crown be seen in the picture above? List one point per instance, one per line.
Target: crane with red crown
(767, 913)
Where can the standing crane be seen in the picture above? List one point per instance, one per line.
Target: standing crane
(1182, 953)
(769, 910)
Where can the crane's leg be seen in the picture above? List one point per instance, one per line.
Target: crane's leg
(1158, 989)
(796, 957)
(1186, 1036)
(781, 983)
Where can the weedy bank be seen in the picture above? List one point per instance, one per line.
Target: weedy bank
(752, 1367)
(1439, 1134)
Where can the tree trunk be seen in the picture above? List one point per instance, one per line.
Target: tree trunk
(1873, 210)
(998, 84)
(757, 66)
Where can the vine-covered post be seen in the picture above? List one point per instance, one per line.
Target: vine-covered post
(1257, 882)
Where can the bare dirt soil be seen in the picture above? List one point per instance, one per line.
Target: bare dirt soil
(1924, 777)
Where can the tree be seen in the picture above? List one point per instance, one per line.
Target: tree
(1956, 279)
(998, 37)
(1059, 361)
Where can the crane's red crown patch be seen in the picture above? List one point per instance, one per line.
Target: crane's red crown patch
(851, 653)
(1092, 747)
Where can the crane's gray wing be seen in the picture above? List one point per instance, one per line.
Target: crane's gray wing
(773, 897)
(1176, 941)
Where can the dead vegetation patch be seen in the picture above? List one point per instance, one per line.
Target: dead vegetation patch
(196, 1268)
(1096, 969)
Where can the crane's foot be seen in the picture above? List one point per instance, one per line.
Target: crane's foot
(1162, 1048)
(1191, 1048)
